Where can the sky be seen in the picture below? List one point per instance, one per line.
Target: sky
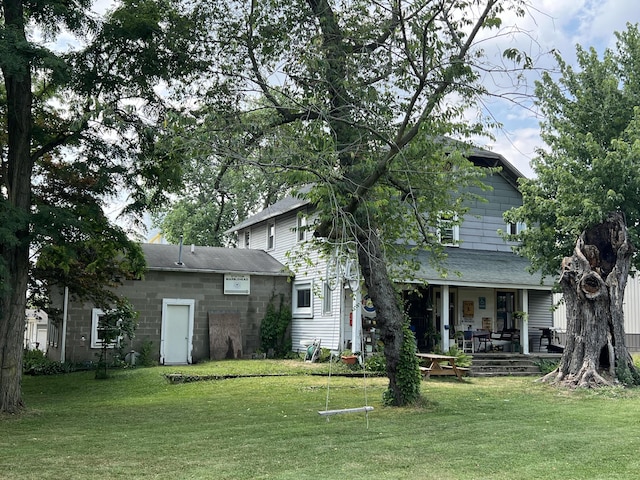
(550, 25)
(555, 25)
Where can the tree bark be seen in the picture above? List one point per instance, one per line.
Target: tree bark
(16, 70)
(389, 318)
(593, 282)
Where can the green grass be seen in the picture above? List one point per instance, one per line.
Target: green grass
(137, 425)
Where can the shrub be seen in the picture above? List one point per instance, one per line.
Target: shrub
(325, 355)
(462, 359)
(274, 329)
(546, 366)
(146, 356)
(376, 363)
(34, 362)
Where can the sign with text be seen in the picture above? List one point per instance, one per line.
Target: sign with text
(237, 284)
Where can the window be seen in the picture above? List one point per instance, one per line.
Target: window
(302, 228)
(247, 239)
(327, 299)
(98, 330)
(271, 236)
(448, 229)
(515, 228)
(302, 300)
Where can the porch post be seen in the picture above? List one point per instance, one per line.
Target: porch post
(356, 322)
(524, 329)
(444, 318)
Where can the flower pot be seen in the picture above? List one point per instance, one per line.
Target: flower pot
(349, 359)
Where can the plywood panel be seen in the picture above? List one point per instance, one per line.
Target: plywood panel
(225, 337)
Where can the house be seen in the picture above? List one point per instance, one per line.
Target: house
(487, 287)
(35, 333)
(203, 303)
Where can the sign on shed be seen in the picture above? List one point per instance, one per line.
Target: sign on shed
(235, 284)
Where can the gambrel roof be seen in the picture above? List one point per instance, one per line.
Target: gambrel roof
(479, 156)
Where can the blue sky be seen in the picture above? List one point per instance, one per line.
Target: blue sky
(559, 25)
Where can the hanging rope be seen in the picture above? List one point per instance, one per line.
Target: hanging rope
(366, 409)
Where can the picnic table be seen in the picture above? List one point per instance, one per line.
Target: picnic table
(436, 368)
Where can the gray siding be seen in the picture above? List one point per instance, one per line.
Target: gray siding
(540, 316)
(479, 230)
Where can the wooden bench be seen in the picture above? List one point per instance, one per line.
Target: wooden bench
(425, 371)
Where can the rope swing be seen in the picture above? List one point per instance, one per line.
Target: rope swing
(366, 408)
(334, 280)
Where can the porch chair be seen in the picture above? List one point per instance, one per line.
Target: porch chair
(467, 341)
(546, 335)
(486, 341)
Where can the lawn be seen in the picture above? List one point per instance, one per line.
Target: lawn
(137, 425)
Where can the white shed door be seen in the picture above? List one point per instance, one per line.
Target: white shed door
(177, 328)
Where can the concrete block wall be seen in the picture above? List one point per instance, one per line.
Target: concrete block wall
(206, 289)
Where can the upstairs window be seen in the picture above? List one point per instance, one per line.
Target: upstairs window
(515, 228)
(271, 235)
(247, 239)
(301, 228)
(448, 229)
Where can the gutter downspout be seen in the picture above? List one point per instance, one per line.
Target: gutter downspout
(65, 313)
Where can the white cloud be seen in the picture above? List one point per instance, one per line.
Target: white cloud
(551, 25)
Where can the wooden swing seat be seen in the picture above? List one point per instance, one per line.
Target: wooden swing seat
(327, 413)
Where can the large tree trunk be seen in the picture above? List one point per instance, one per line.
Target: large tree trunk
(389, 317)
(14, 252)
(593, 282)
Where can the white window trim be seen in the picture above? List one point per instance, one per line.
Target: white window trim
(327, 299)
(302, 312)
(246, 239)
(301, 228)
(269, 224)
(95, 319)
(455, 232)
(520, 226)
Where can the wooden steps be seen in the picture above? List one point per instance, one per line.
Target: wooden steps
(508, 364)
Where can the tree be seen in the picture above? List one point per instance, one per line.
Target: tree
(363, 94)
(79, 128)
(217, 191)
(582, 209)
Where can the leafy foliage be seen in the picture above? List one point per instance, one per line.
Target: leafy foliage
(147, 356)
(592, 164)
(35, 362)
(376, 363)
(274, 329)
(80, 129)
(360, 103)
(113, 326)
(408, 373)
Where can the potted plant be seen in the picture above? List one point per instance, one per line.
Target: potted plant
(348, 357)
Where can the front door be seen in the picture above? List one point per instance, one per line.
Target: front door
(177, 331)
